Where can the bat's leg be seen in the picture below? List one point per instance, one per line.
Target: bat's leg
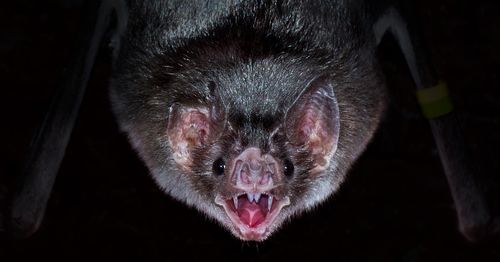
(474, 216)
(50, 140)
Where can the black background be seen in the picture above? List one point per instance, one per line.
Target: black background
(395, 205)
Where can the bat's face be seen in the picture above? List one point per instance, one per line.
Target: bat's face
(255, 169)
(249, 163)
(249, 142)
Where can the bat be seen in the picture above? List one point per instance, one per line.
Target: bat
(252, 111)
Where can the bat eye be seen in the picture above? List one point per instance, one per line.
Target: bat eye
(218, 167)
(288, 168)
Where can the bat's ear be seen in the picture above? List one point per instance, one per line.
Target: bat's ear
(313, 122)
(192, 127)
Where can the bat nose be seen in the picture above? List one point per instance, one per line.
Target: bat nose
(254, 173)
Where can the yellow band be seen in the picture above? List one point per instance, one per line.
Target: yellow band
(434, 101)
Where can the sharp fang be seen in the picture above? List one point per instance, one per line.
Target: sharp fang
(235, 202)
(256, 197)
(269, 203)
(250, 197)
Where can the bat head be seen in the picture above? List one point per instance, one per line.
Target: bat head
(246, 131)
(254, 167)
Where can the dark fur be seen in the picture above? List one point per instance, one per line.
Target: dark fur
(253, 59)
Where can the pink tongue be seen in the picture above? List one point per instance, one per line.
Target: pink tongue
(250, 213)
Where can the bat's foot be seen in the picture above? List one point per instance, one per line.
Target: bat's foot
(481, 232)
(18, 229)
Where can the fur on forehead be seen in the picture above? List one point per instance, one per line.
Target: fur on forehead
(263, 87)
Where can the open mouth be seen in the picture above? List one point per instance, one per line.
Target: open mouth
(252, 213)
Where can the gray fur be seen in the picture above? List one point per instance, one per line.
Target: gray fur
(260, 56)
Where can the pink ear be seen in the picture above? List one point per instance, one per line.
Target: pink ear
(313, 122)
(188, 128)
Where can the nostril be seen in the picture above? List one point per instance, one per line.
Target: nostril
(266, 176)
(245, 174)
(248, 174)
